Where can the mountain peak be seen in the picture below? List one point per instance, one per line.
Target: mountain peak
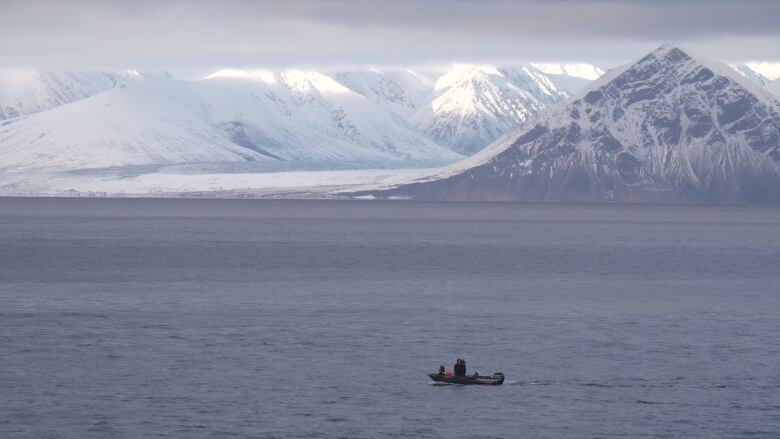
(668, 54)
(474, 104)
(665, 47)
(460, 73)
(669, 48)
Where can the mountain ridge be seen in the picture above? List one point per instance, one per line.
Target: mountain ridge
(665, 128)
(475, 104)
(29, 91)
(166, 121)
(290, 119)
(279, 120)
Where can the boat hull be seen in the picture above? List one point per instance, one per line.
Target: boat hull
(495, 380)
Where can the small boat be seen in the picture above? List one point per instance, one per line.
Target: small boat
(495, 380)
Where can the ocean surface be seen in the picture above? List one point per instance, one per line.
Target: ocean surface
(316, 319)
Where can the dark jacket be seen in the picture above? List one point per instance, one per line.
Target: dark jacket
(460, 369)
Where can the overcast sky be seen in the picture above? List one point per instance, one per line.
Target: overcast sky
(249, 33)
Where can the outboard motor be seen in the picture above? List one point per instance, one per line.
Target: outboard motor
(499, 376)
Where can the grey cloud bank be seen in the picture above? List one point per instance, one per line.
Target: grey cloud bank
(343, 32)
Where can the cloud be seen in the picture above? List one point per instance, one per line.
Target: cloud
(309, 32)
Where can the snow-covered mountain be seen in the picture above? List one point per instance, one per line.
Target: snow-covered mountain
(472, 105)
(67, 120)
(401, 91)
(468, 106)
(28, 91)
(278, 120)
(669, 127)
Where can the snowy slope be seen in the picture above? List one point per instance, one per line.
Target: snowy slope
(750, 74)
(669, 127)
(400, 91)
(262, 120)
(295, 120)
(769, 70)
(774, 87)
(27, 91)
(472, 105)
(319, 102)
(762, 73)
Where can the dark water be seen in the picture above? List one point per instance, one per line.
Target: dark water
(198, 318)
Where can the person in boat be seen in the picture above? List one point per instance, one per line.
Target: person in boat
(460, 367)
(445, 373)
